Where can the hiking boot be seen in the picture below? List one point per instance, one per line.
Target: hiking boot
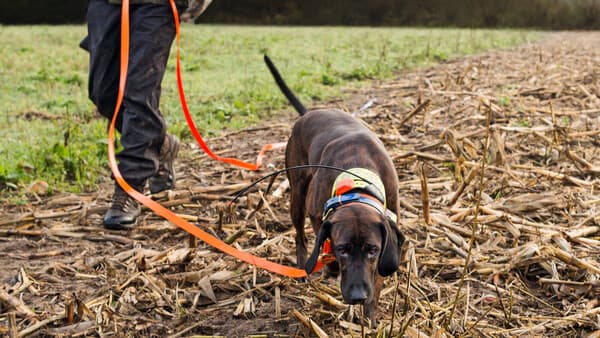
(123, 212)
(165, 176)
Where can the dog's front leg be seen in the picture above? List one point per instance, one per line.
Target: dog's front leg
(298, 214)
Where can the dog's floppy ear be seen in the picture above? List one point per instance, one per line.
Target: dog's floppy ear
(322, 236)
(389, 258)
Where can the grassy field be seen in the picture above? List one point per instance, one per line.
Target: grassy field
(50, 131)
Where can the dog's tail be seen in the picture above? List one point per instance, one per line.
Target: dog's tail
(284, 88)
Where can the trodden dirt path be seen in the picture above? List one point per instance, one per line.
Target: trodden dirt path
(530, 114)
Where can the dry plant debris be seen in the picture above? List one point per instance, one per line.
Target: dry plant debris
(504, 242)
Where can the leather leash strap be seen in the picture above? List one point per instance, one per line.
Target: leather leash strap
(156, 207)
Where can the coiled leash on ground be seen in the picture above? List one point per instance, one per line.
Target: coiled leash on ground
(156, 207)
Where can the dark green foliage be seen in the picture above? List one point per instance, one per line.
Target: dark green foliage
(47, 11)
(548, 14)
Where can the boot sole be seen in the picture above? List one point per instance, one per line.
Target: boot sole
(120, 226)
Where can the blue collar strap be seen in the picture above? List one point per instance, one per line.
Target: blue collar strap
(337, 201)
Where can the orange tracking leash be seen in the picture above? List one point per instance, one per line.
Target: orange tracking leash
(156, 207)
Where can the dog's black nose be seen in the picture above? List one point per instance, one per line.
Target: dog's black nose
(358, 295)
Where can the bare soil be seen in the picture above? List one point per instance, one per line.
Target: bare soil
(499, 162)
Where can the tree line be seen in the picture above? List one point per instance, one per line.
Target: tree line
(543, 14)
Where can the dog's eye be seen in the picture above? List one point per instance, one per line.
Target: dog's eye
(372, 251)
(343, 250)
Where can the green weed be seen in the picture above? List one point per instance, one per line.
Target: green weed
(504, 101)
(524, 122)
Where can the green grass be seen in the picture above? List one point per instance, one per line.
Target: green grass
(42, 70)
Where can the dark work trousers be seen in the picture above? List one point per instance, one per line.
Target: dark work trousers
(140, 122)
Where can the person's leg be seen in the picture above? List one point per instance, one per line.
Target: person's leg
(103, 44)
(143, 128)
(152, 34)
(140, 122)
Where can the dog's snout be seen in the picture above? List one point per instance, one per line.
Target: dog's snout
(358, 295)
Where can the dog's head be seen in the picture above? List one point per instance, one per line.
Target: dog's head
(365, 243)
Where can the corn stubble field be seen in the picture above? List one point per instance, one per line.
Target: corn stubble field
(499, 164)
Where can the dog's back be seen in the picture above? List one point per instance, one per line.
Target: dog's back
(317, 129)
(334, 138)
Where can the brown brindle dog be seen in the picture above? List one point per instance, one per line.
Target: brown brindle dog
(358, 218)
